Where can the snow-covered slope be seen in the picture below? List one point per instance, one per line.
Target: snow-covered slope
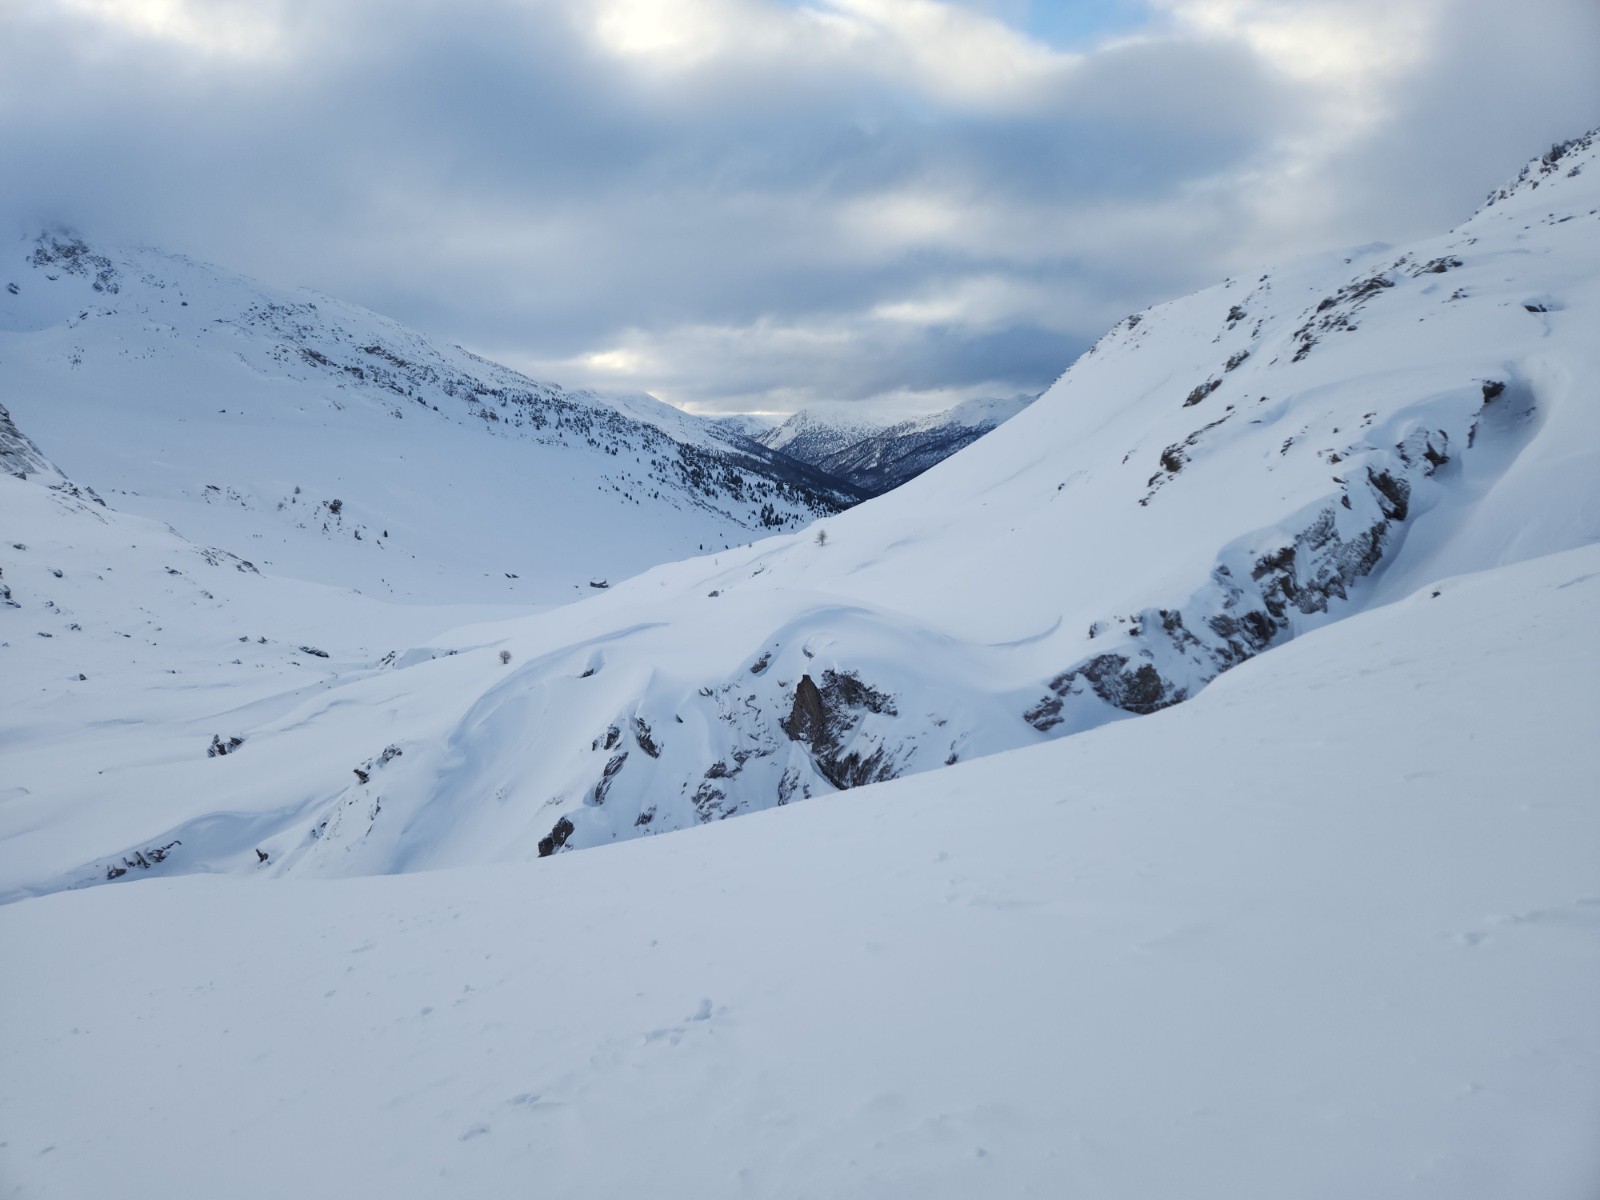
(878, 454)
(1331, 930)
(1219, 476)
(748, 425)
(323, 441)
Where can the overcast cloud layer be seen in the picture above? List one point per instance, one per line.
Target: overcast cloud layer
(754, 204)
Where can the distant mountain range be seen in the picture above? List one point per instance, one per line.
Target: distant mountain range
(872, 452)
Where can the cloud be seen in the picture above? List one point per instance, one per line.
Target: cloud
(755, 203)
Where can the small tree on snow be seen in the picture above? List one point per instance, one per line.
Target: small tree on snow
(505, 657)
(822, 537)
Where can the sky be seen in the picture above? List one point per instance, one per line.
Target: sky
(759, 205)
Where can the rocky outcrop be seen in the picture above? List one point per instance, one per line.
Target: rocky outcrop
(825, 718)
(1558, 160)
(71, 255)
(18, 455)
(557, 838)
(1168, 655)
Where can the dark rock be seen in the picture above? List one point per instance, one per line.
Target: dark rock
(1438, 266)
(1045, 715)
(825, 718)
(808, 717)
(562, 830)
(1122, 684)
(142, 860)
(219, 748)
(606, 776)
(1394, 494)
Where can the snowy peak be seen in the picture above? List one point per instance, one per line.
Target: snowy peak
(747, 425)
(1566, 158)
(877, 453)
(979, 413)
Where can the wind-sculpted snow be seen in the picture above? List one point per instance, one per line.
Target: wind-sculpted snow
(1217, 477)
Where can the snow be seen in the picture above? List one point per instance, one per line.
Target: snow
(240, 414)
(1184, 790)
(1327, 930)
(1109, 551)
(879, 449)
(749, 425)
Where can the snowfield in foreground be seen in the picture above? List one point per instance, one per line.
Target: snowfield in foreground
(1329, 930)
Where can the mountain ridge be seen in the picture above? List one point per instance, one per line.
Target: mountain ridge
(254, 415)
(878, 452)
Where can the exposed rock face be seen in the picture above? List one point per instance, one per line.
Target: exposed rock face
(1558, 160)
(557, 838)
(1237, 615)
(142, 860)
(65, 252)
(18, 455)
(824, 718)
(808, 719)
(615, 764)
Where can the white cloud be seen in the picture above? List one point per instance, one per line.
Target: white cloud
(766, 202)
(963, 57)
(234, 28)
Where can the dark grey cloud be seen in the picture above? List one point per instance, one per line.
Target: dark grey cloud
(742, 203)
